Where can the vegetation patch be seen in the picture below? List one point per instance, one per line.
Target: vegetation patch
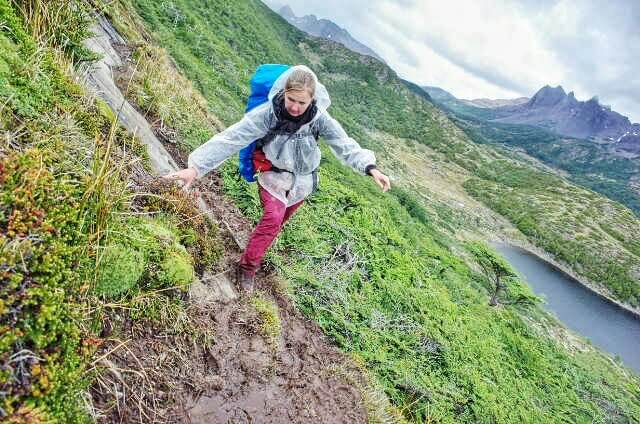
(191, 227)
(121, 268)
(269, 318)
(66, 231)
(143, 252)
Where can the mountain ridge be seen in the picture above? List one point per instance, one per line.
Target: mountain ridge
(552, 109)
(326, 28)
(495, 103)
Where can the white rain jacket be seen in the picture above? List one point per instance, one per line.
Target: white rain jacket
(299, 154)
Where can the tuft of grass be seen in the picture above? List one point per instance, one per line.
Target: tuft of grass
(268, 313)
(61, 24)
(376, 402)
(193, 229)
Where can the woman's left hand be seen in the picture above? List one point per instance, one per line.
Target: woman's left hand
(381, 179)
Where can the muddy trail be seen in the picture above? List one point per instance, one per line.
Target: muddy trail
(212, 362)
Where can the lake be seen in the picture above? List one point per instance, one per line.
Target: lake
(607, 325)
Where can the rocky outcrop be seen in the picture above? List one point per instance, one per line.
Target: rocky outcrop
(630, 140)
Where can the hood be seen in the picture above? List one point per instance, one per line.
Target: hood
(322, 95)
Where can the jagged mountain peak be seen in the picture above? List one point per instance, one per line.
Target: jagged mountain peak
(553, 108)
(594, 100)
(549, 89)
(547, 96)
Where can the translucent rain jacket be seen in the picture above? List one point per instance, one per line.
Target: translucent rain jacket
(299, 153)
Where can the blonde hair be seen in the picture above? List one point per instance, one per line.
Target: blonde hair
(301, 80)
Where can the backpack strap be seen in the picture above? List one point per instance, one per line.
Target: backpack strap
(315, 130)
(260, 143)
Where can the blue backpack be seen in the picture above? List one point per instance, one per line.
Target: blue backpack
(261, 83)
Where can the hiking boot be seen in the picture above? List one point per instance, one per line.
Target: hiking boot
(245, 281)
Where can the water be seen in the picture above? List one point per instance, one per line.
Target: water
(607, 325)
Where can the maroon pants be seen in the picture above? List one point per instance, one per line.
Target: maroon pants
(273, 219)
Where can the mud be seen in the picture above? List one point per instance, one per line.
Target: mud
(259, 383)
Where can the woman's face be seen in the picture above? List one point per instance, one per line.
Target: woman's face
(297, 102)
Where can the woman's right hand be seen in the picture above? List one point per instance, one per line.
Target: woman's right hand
(186, 175)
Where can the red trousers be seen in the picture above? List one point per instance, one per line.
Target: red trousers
(273, 219)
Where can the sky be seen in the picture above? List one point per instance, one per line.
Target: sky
(499, 48)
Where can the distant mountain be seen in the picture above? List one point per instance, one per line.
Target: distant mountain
(438, 94)
(441, 95)
(326, 29)
(562, 113)
(494, 103)
(460, 107)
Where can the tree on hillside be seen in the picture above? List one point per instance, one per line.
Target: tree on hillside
(501, 274)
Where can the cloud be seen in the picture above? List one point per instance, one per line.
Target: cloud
(600, 44)
(498, 49)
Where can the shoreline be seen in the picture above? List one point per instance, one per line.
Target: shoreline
(549, 259)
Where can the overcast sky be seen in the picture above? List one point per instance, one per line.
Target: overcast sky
(501, 49)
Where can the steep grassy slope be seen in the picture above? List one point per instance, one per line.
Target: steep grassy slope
(383, 274)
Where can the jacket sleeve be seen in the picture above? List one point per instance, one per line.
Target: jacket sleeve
(210, 155)
(345, 148)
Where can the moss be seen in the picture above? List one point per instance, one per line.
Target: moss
(105, 110)
(158, 227)
(120, 269)
(146, 251)
(176, 269)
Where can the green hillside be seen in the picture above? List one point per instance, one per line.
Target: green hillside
(385, 276)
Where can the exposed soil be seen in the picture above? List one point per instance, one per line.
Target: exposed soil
(293, 382)
(212, 364)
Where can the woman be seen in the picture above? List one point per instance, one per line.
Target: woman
(293, 118)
